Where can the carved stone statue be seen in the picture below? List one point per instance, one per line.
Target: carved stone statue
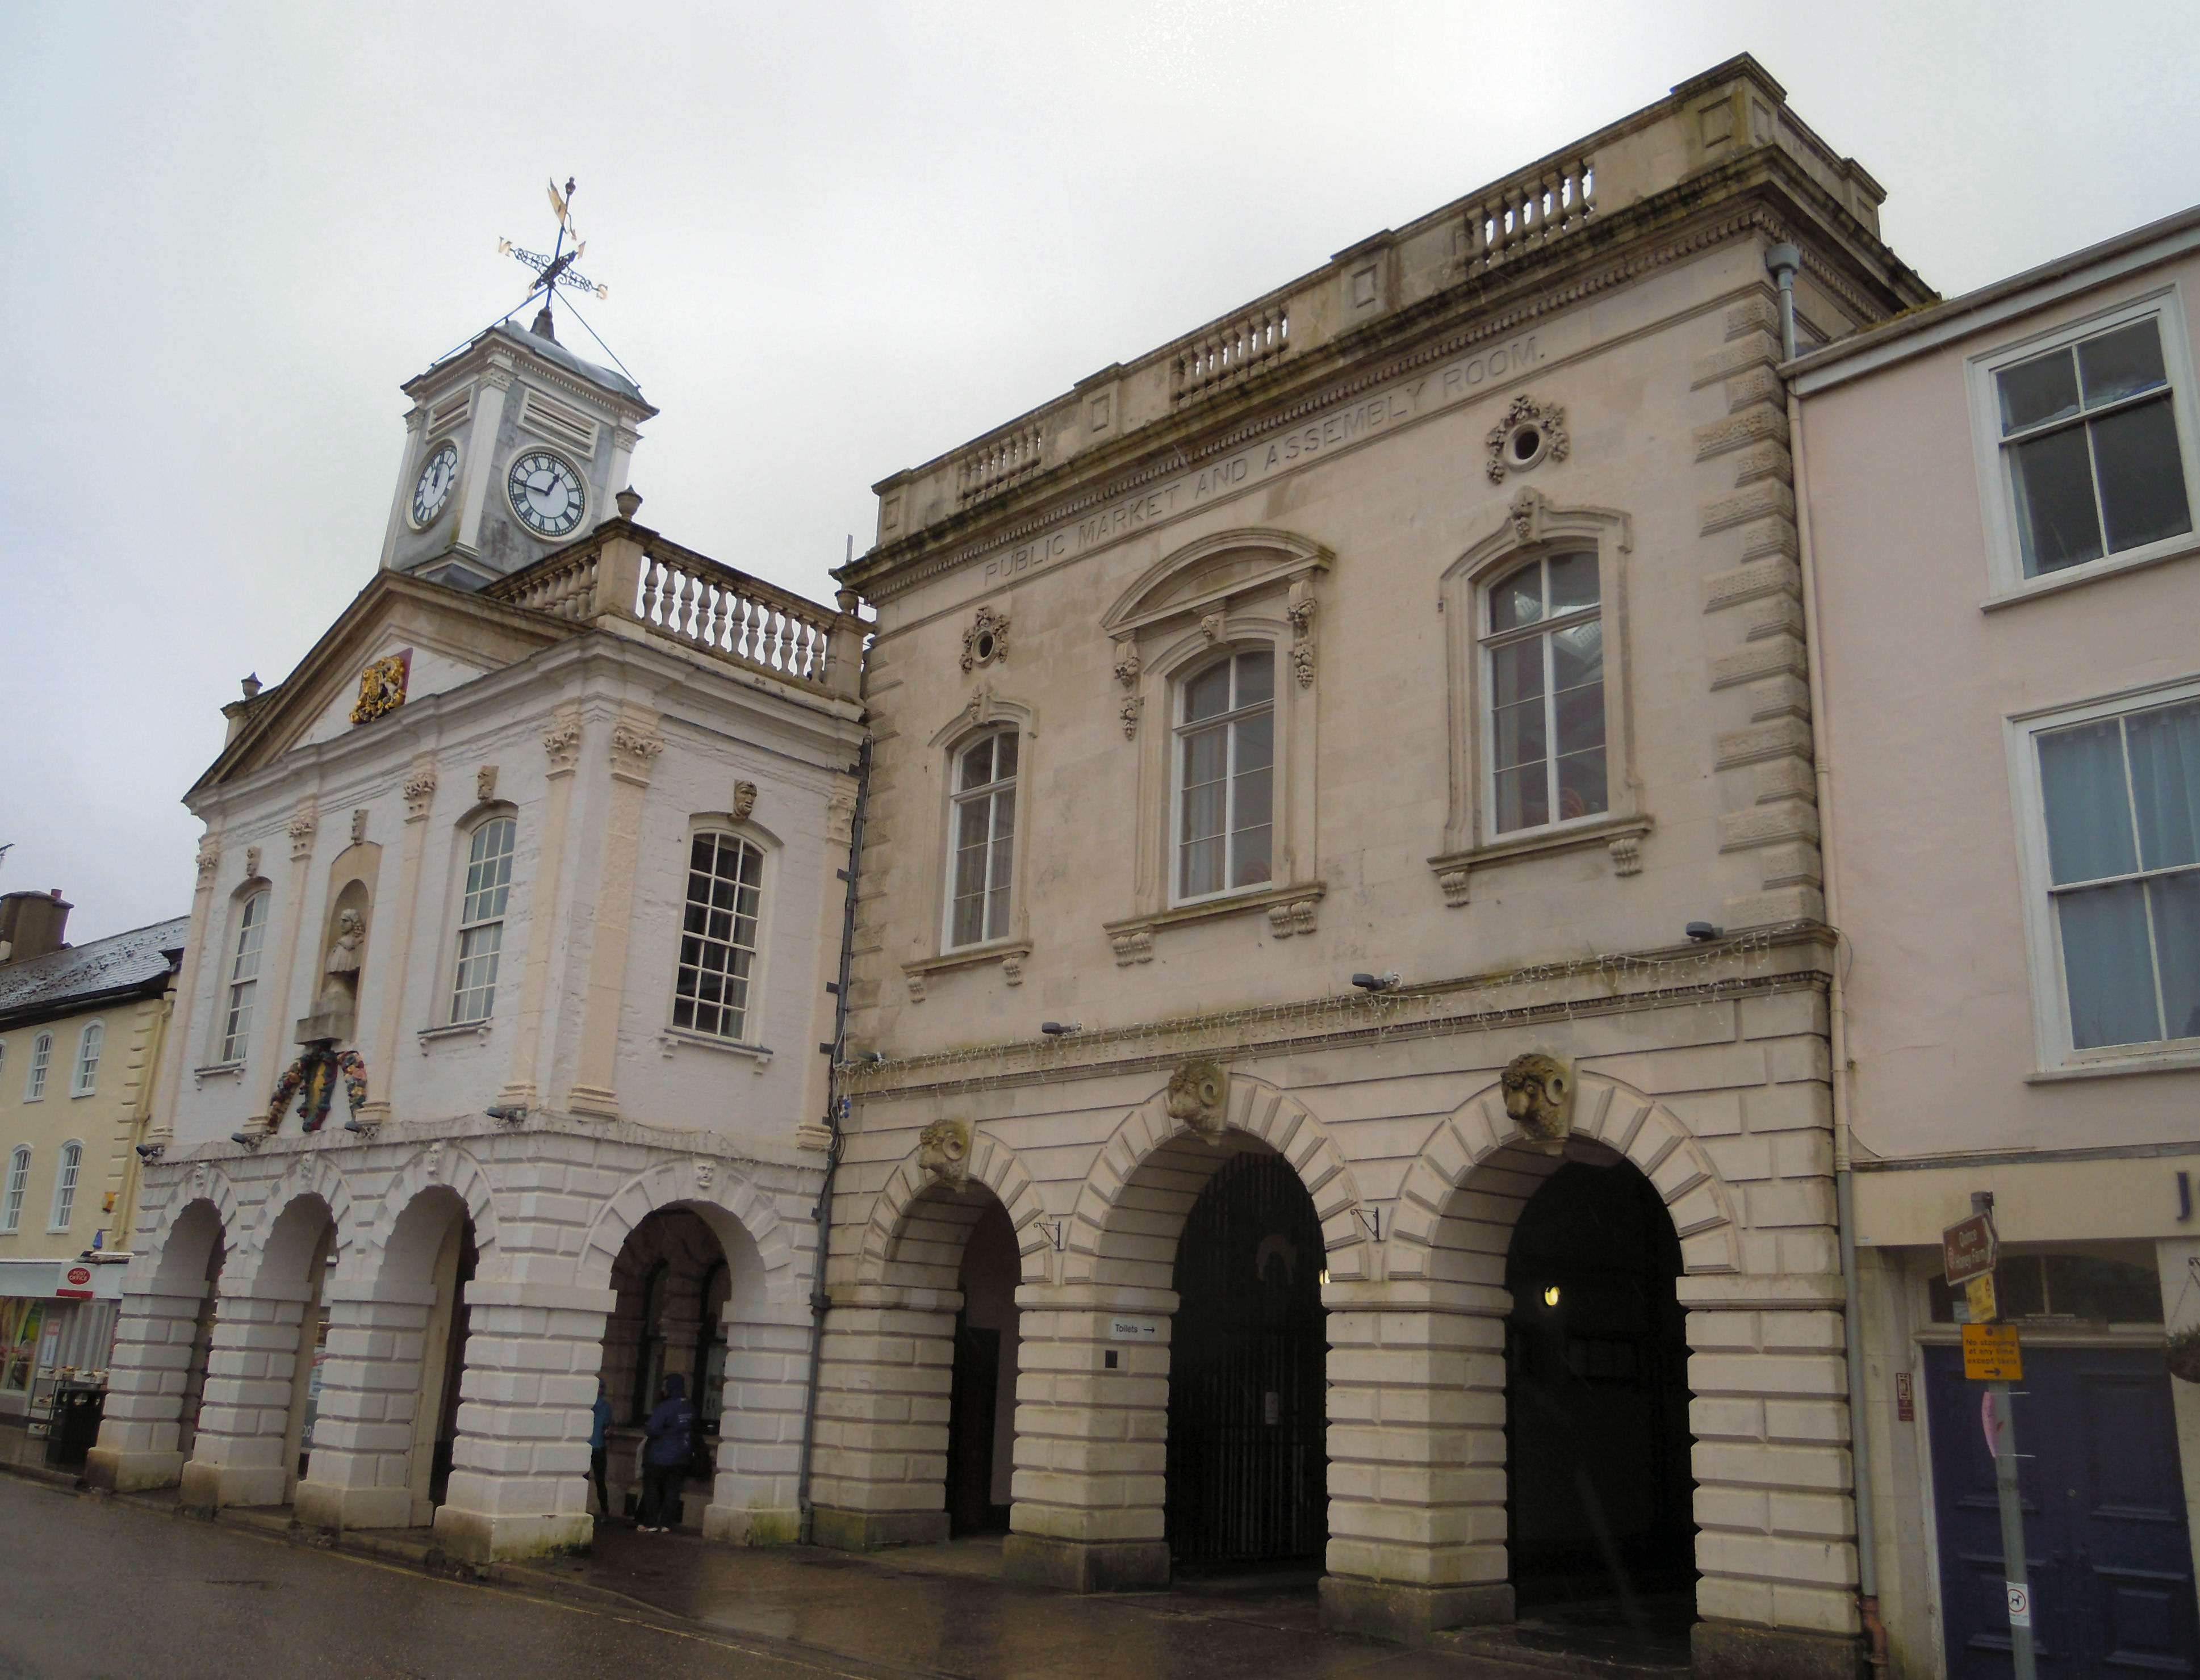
(1538, 1095)
(943, 1153)
(1199, 1095)
(344, 956)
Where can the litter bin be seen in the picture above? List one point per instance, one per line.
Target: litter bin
(77, 1408)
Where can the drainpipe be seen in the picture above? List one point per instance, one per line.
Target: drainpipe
(1783, 261)
(821, 1302)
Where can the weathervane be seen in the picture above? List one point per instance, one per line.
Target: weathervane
(557, 269)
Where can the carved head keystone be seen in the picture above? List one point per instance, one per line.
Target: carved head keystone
(943, 1153)
(1538, 1095)
(1198, 1096)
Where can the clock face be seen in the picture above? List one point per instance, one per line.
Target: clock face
(437, 479)
(546, 494)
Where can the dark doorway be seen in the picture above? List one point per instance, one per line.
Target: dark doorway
(1247, 1465)
(455, 1368)
(2108, 1552)
(1599, 1496)
(981, 1416)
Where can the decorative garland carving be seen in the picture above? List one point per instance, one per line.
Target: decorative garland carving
(987, 639)
(313, 1080)
(209, 858)
(1531, 434)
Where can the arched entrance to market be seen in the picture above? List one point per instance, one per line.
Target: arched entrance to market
(982, 1414)
(432, 1244)
(301, 1251)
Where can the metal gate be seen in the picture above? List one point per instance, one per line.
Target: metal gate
(1248, 1474)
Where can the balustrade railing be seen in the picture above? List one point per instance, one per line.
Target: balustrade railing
(999, 462)
(1529, 210)
(1233, 353)
(564, 586)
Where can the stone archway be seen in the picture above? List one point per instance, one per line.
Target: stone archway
(156, 1380)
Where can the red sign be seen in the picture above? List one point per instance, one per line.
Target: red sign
(79, 1281)
(80, 1275)
(1967, 1248)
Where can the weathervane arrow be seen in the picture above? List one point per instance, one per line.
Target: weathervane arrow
(557, 269)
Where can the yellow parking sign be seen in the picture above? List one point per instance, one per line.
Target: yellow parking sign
(1990, 1354)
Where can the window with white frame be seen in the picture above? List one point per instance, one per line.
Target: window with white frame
(2119, 802)
(1543, 656)
(89, 1044)
(1226, 751)
(19, 1181)
(2090, 455)
(243, 983)
(983, 851)
(719, 935)
(481, 919)
(42, 1054)
(65, 1185)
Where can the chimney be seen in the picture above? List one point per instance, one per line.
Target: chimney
(31, 924)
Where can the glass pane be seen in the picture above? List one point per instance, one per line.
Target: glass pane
(1516, 673)
(2042, 389)
(2165, 770)
(2106, 963)
(1251, 849)
(1203, 811)
(1254, 802)
(1004, 756)
(1580, 718)
(1203, 757)
(978, 764)
(701, 856)
(1523, 798)
(1517, 599)
(1207, 694)
(2082, 779)
(2142, 476)
(1573, 582)
(997, 875)
(1517, 734)
(1202, 868)
(1256, 677)
(2082, 1285)
(1256, 742)
(2121, 363)
(2054, 518)
(971, 823)
(1581, 784)
(969, 920)
(1577, 654)
(1004, 816)
(2176, 904)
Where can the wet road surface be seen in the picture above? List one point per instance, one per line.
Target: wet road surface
(100, 1589)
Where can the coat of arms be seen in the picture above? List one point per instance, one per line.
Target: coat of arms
(382, 686)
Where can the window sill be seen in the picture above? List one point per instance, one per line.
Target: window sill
(461, 1029)
(2093, 571)
(1290, 910)
(2173, 1061)
(669, 1039)
(1622, 836)
(1009, 952)
(216, 1070)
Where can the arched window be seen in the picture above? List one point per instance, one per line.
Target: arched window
(719, 935)
(1544, 645)
(243, 977)
(19, 1180)
(42, 1053)
(88, 1045)
(481, 919)
(1226, 776)
(65, 1185)
(983, 850)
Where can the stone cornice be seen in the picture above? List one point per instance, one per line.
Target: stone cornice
(1796, 957)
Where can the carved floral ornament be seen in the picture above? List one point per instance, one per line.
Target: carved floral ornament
(633, 750)
(987, 639)
(301, 829)
(1531, 434)
(420, 793)
(209, 857)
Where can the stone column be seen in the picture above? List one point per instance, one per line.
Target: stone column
(520, 1470)
(184, 1027)
(881, 1469)
(359, 1474)
(1417, 1528)
(237, 1458)
(634, 745)
(392, 970)
(273, 1040)
(1775, 1523)
(140, 1432)
(755, 1501)
(1091, 1441)
(561, 741)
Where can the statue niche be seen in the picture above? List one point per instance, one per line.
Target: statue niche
(334, 1014)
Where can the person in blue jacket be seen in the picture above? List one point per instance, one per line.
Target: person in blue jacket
(671, 1432)
(603, 1419)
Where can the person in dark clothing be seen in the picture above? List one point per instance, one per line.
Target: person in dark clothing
(603, 1419)
(671, 1432)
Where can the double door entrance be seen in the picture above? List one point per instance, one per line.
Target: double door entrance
(2108, 1551)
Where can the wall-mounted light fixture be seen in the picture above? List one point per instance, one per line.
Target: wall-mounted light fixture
(1376, 982)
(1061, 1030)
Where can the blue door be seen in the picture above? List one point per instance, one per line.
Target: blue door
(2108, 1551)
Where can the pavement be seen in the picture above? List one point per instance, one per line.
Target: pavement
(131, 1585)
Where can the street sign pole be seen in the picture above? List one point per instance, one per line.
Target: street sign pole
(1968, 1250)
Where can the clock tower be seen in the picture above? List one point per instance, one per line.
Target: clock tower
(514, 447)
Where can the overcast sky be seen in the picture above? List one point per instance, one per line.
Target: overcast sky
(839, 239)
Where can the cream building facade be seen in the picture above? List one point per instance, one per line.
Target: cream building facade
(497, 1042)
(1998, 498)
(81, 1028)
(1435, 620)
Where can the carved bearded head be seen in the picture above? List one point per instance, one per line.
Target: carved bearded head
(1198, 1093)
(1538, 1095)
(942, 1153)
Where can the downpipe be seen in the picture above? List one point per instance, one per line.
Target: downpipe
(821, 1300)
(1783, 261)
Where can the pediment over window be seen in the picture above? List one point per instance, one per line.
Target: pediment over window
(1210, 572)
